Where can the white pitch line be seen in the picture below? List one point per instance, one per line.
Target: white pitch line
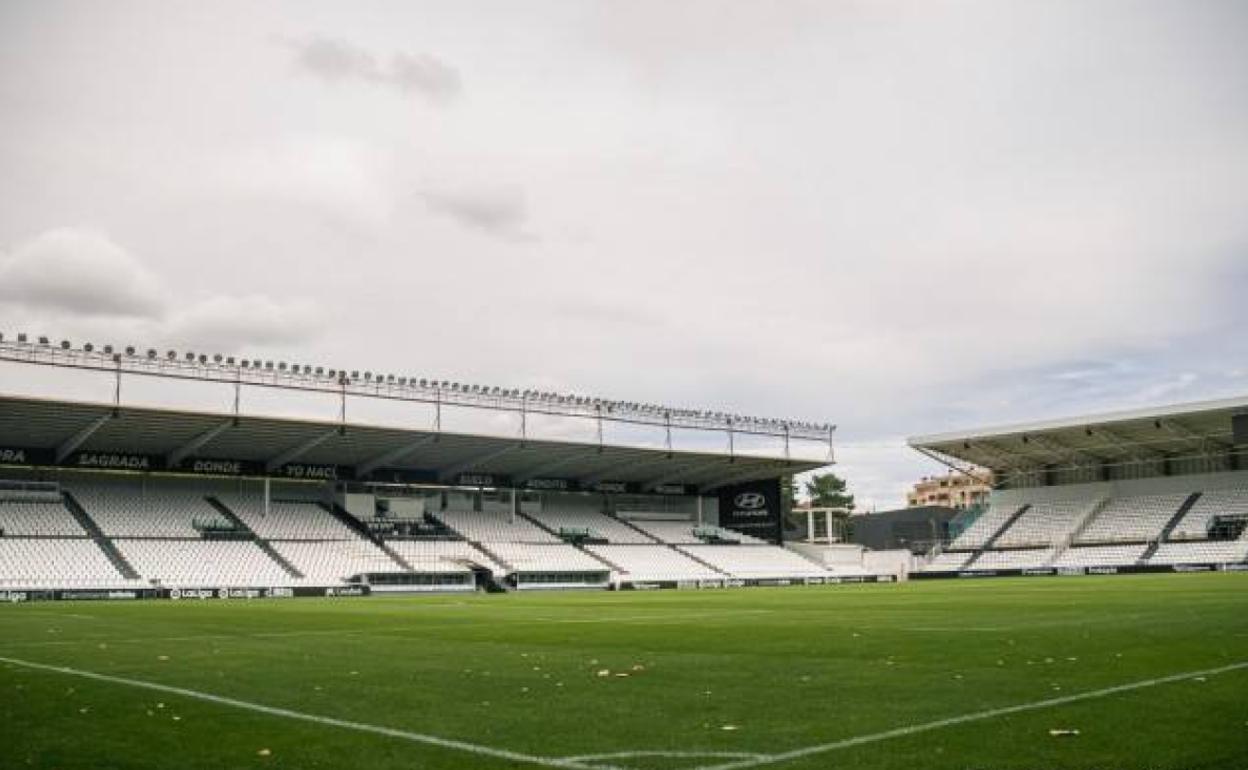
(432, 740)
(977, 716)
(665, 753)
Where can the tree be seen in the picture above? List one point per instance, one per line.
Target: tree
(827, 490)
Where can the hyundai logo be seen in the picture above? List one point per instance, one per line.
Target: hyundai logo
(750, 500)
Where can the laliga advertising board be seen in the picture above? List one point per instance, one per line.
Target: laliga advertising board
(752, 509)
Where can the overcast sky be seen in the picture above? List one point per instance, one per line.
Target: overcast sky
(902, 217)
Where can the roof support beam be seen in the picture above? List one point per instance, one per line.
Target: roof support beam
(299, 450)
(690, 471)
(939, 457)
(393, 456)
(1131, 447)
(449, 473)
(540, 470)
(751, 473)
(606, 474)
(70, 444)
(1206, 443)
(1064, 452)
(1004, 458)
(199, 442)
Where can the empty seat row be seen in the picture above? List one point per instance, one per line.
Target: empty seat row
(45, 518)
(755, 561)
(600, 525)
(648, 563)
(56, 563)
(494, 527)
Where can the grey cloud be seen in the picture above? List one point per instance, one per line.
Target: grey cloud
(70, 281)
(232, 324)
(339, 60)
(79, 272)
(498, 211)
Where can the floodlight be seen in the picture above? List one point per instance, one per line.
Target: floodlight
(43, 340)
(129, 350)
(151, 353)
(21, 337)
(89, 347)
(65, 345)
(229, 361)
(217, 358)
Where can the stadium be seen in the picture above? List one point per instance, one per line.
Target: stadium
(272, 561)
(603, 385)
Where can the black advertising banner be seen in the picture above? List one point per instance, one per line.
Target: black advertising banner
(551, 485)
(482, 480)
(219, 467)
(115, 461)
(13, 455)
(401, 476)
(752, 509)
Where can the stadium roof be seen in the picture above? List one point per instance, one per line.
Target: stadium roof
(62, 429)
(1181, 430)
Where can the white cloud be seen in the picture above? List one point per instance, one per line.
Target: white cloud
(79, 272)
(71, 282)
(231, 324)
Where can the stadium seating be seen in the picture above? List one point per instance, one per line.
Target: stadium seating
(1132, 519)
(1222, 502)
(1210, 552)
(1101, 556)
(435, 555)
(755, 561)
(1045, 523)
(684, 532)
(648, 563)
(148, 509)
(948, 561)
(542, 557)
(286, 520)
(56, 563)
(203, 563)
(331, 561)
(982, 529)
(1028, 558)
(484, 527)
(40, 517)
(600, 526)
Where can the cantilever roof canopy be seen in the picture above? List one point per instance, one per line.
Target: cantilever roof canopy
(1159, 435)
(62, 432)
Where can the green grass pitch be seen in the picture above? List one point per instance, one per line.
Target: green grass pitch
(1151, 670)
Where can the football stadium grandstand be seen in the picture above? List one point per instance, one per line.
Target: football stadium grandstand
(1162, 489)
(142, 501)
(150, 502)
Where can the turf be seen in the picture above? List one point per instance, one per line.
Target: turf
(783, 668)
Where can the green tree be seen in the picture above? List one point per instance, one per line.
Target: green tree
(827, 490)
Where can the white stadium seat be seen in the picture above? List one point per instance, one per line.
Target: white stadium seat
(57, 563)
(1132, 519)
(756, 561)
(486, 527)
(648, 563)
(600, 526)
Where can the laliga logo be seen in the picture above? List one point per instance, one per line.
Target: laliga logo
(750, 501)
